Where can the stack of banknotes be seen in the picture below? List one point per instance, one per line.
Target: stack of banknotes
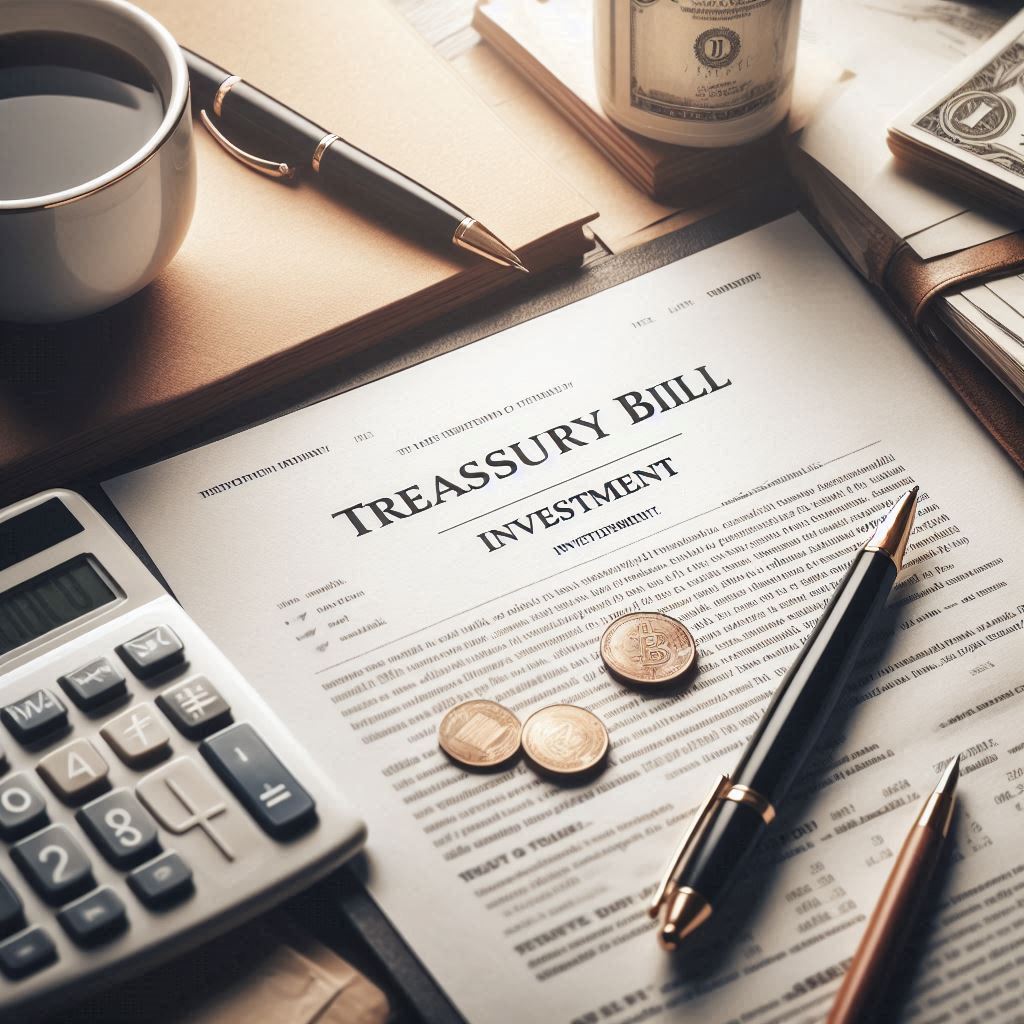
(968, 131)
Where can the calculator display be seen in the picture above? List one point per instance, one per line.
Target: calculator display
(50, 600)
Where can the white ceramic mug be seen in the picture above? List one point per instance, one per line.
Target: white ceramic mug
(78, 251)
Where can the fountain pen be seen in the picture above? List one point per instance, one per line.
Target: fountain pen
(740, 806)
(339, 167)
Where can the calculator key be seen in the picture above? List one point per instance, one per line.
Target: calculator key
(121, 828)
(26, 953)
(12, 912)
(22, 809)
(75, 772)
(267, 790)
(152, 652)
(139, 736)
(94, 918)
(195, 707)
(182, 796)
(94, 684)
(35, 717)
(54, 864)
(163, 881)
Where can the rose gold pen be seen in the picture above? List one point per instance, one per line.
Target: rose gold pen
(879, 951)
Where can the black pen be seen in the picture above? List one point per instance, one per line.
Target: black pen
(740, 806)
(339, 167)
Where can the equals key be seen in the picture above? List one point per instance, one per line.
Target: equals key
(253, 772)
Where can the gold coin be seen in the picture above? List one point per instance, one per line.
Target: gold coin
(565, 739)
(647, 648)
(480, 734)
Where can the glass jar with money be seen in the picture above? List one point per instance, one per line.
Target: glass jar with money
(696, 72)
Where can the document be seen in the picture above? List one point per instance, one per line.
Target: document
(713, 440)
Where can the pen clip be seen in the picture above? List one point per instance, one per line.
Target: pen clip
(268, 167)
(667, 886)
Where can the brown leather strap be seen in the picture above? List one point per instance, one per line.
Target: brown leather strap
(999, 412)
(912, 282)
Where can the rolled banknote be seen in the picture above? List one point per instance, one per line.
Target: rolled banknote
(967, 129)
(696, 72)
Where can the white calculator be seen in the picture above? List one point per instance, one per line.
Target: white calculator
(148, 798)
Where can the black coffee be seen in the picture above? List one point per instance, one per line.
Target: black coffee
(71, 108)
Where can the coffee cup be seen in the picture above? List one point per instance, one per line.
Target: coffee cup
(99, 177)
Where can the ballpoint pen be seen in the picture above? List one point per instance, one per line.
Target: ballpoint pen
(877, 956)
(740, 806)
(338, 166)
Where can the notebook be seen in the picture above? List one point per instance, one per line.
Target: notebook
(275, 281)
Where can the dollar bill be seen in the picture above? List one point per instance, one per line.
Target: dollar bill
(980, 117)
(969, 128)
(710, 60)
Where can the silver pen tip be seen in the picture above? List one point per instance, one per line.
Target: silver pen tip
(950, 776)
(937, 812)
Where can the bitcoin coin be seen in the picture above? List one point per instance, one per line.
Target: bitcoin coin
(647, 648)
(480, 734)
(564, 739)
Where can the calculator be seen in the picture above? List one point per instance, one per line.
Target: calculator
(149, 799)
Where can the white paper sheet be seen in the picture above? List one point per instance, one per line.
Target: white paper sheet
(811, 412)
(1011, 290)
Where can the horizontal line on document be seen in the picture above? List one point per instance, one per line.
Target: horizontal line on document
(568, 480)
(568, 568)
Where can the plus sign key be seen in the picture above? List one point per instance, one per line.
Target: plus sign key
(184, 797)
(138, 736)
(267, 790)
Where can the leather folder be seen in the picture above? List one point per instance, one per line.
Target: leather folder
(910, 287)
